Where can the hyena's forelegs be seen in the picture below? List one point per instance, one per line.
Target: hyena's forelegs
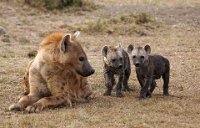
(51, 101)
(24, 102)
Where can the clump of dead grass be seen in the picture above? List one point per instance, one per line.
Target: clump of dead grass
(142, 18)
(23, 41)
(67, 5)
(122, 25)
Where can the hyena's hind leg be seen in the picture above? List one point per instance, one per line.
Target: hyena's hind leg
(35, 81)
(125, 80)
(165, 77)
(26, 87)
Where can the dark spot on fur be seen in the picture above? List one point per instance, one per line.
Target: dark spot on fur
(47, 98)
(62, 88)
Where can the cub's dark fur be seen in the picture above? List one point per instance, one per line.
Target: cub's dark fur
(149, 68)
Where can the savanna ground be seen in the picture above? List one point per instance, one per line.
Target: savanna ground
(172, 29)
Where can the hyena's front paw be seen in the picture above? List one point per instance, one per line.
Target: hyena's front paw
(148, 94)
(107, 93)
(15, 107)
(119, 94)
(166, 94)
(34, 108)
(143, 95)
(22, 95)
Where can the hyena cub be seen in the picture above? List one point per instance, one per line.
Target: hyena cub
(148, 69)
(116, 63)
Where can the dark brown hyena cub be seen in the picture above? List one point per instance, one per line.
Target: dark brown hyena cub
(148, 69)
(116, 63)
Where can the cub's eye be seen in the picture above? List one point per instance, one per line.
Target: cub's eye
(121, 58)
(142, 57)
(134, 57)
(81, 58)
(113, 60)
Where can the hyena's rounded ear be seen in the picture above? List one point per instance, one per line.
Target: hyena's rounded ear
(130, 48)
(119, 47)
(147, 48)
(65, 43)
(104, 51)
(76, 34)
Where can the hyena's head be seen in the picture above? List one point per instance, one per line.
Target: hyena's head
(113, 57)
(73, 55)
(139, 55)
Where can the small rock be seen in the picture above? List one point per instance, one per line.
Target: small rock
(32, 53)
(2, 31)
(142, 33)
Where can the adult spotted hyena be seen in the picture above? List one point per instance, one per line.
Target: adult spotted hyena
(149, 68)
(116, 63)
(57, 75)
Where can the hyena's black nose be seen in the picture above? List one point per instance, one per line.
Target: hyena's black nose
(137, 64)
(120, 66)
(92, 71)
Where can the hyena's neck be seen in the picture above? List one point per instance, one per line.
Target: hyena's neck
(145, 64)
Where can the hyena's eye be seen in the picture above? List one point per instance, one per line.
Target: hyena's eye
(121, 58)
(134, 57)
(81, 58)
(142, 57)
(113, 60)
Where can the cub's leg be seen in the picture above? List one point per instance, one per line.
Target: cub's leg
(165, 83)
(125, 80)
(145, 89)
(109, 78)
(152, 87)
(119, 86)
(165, 77)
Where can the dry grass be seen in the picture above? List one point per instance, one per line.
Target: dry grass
(140, 24)
(178, 41)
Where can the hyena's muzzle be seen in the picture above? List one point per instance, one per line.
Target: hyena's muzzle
(87, 69)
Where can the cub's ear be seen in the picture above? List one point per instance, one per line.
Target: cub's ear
(130, 48)
(76, 34)
(65, 43)
(120, 48)
(147, 48)
(104, 51)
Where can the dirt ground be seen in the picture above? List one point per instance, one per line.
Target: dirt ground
(178, 38)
